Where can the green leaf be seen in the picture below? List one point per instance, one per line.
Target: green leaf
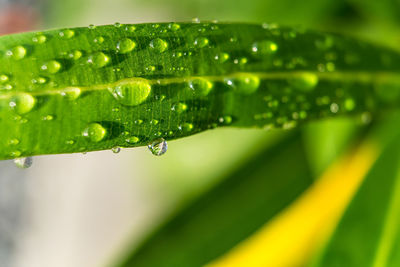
(85, 89)
(368, 234)
(229, 212)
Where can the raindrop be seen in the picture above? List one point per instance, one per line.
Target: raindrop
(40, 39)
(264, 47)
(98, 60)
(67, 34)
(132, 140)
(17, 52)
(71, 93)
(131, 93)
(221, 57)
(244, 83)
(201, 86)
(158, 147)
(201, 42)
(306, 81)
(22, 103)
(125, 45)
(51, 66)
(159, 45)
(116, 149)
(75, 55)
(23, 163)
(95, 132)
(174, 27)
(180, 107)
(3, 78)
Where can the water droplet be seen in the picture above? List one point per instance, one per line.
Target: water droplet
(13, 142)
(75, 55)
(349, 104)
(225, 120)
(201, 86)
(131, 93)
(186, 127)
(51, 66)
(132, 140)
(3, 78)
(98, 60)
(22, 103)
(304, 82)
(195, 20)
(201, 42)
(264, 47)
(67, 34)
(334, 108)
(23, 163)
(98, 40)
(92, 26)
(95, 132)
(71, 93)
(40, 39)
(180, 107)
(154, 122)
(130, 28)
(174, 27)
(221, 57)
(125, 45)
(117, 24)
(17, 52)
(159, 45)
(39, 80)
(244, 83)
(158, 147)
(116, 149)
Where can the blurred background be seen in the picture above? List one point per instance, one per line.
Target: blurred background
(85, 210)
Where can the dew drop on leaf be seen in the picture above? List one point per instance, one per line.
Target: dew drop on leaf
(67, 34)
(3, 78)
(244, 83)
(132, 140)
(264, 47)
(174, 27)
(131, 93)
(116, 149)
(95, 132)
(39, 39)
(159, 45)
(22, 103)
(306, 81)
(52, 66)
(23, 163)
(98, 60)
(221, 57)
(17, 52)
(180, 107)
(158, 147)
(201, 86)
(71, 93)
(201, 42)
(125, 45)
(75, 55)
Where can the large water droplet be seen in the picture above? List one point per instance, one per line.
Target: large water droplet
(95, 132)
(244, 83)
(23, 163)
(131, 93)
(158, 147)
(17, 52)
(51, 66)
(98, 60)
(159, 45)
(125, 45)
(305, 81)
(22, 103)
(200, 86)
(116, 149)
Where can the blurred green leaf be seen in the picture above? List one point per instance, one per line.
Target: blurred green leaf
(127, 85)
(368, 234)
(231, 211)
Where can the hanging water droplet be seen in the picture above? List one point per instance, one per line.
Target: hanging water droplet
(131, 93)
(244, 83)
(40, 39)
(125, 45)
(117, 24)
(67, 34)
(264, 47)
(71, 93)
(159, 45)
(98, 60)
(201, 42)
(17, 52)
(92, 26)
(22, 103)
(51, 66)
(95, 132)
(116, 149)
(23, 163)
(158, 147)
(201, 86)
(306, 81)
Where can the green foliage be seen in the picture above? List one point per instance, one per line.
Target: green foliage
(85, 89)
